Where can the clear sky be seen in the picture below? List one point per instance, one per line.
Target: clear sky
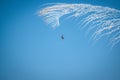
(32, 50)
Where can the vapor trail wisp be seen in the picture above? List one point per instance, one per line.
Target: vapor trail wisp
(104, 21)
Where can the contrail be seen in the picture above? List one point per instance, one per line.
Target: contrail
(103, 21)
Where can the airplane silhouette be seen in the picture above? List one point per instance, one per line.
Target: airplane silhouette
(62, 37)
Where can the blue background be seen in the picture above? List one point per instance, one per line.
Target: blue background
(31, 50)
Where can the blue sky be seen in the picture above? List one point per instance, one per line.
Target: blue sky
(32, 50)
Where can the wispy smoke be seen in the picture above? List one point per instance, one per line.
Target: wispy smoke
(104, 21)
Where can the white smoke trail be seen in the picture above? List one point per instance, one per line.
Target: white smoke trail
(104, 21)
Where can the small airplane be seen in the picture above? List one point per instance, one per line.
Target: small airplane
(62, 37)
